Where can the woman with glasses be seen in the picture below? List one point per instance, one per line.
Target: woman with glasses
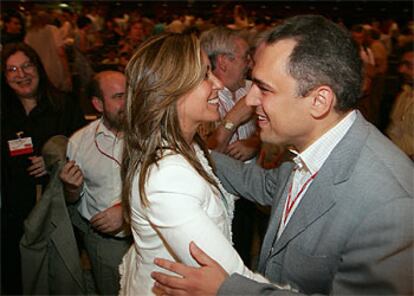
(33, 110)
(170, 192)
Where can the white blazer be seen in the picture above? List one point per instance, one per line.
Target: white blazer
(183, 207)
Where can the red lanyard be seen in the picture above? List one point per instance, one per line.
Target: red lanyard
(290, 204)
(103, 152)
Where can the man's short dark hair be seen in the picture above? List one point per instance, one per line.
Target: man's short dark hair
(11, 13)
(325, 54)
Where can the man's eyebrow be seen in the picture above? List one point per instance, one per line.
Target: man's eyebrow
(262, 83)
(118, 94)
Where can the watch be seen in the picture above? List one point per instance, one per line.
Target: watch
(228, 125)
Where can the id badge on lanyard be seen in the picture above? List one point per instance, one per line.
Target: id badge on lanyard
(20, 146)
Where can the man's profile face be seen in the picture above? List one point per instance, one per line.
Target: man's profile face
(238, 65)
(113, 90)
(283, 116)
(13, 26)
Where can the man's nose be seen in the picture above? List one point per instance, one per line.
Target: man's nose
(253, 96)
(20, 72)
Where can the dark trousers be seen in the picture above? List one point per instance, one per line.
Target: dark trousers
(243, 228)
(105, 253)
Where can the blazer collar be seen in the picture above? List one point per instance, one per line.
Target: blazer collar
(343, 158)
(320, 196)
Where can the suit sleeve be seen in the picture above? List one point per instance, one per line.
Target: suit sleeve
(378, 258)
(240, 285)
(247, 180)
(176, 195)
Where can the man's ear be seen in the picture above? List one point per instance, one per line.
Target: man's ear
(97, 104)
(323, 100)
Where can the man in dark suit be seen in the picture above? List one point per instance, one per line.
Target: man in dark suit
(342, 212)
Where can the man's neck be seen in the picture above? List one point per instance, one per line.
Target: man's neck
(321, 128)
(116, 132)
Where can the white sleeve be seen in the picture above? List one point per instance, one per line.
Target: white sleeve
(176, 195)
(72, 151)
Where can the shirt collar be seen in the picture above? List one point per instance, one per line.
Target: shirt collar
(101, 129)
(316, 154)
(226, 92)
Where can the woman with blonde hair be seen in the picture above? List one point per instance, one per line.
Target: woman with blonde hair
(170, 193)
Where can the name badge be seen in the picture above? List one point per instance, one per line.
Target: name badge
(20, 146)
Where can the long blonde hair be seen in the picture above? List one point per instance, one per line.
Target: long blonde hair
(162, 70)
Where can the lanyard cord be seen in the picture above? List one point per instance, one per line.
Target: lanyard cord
(103, 152)
(290, 204)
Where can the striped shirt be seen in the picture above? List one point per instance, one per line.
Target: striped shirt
(226, 103)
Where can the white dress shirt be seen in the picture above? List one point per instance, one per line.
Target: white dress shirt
(97, 152)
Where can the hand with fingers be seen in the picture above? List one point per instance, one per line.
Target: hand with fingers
(37, 168)
(109, 221)
(240, 151)
(240, 113)
(203, 280)
(72, 179)
(244, 149)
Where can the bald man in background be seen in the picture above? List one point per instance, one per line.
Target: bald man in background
(91, 179)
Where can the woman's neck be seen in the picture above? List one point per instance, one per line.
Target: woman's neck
(189, 137)
(28, 104)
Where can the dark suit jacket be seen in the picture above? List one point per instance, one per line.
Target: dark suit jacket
(353, 231)
(49, 252)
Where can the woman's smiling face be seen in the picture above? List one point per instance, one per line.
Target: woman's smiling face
(22, 75)
(201, 103)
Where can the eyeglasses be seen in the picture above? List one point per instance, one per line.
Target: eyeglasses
(26, 67)
(245, 58)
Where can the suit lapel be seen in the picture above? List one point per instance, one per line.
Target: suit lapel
(63, 236)
(320, 196)
(316, 202)
(274, 220)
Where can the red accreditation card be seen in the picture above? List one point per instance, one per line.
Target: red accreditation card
(20, 146)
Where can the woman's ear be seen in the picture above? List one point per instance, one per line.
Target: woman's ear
(97, 104)
(322, 101)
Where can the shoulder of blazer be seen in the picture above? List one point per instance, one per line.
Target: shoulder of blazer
(345, 155)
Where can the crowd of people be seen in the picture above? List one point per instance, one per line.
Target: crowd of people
(178, 132)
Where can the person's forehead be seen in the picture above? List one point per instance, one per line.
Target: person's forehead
(241, 44)
(271, 61)
(17, 57)
(112, 81)
(275, 53)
